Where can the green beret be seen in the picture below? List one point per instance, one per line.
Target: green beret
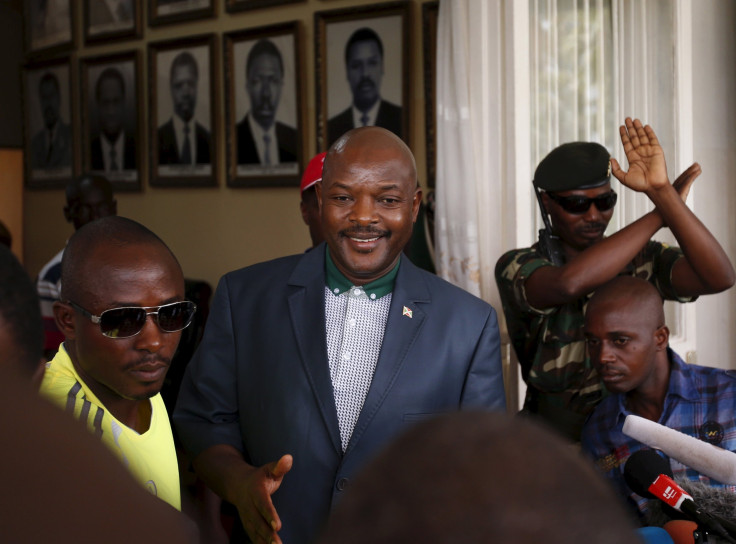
(574, 165)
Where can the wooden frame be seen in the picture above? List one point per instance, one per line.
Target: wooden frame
(391, 81)
(50, 135)
(49, 25)
(104, 23)
(273, 53)
(112, 114)
(161, 12)
(233, 6)
(197, 99)
(430, 11)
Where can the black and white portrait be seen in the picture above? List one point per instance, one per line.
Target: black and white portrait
(264, 85)
(181, 110)
(50, 148)
(49, 23)
(110, 17)
(111, 120)
(365, 75)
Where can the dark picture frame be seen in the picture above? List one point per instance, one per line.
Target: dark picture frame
(49, 25)
(112, 118)
(391, 22)
(264, 106)
(234, 6)
(182, 80)
(163, 12)
(50, 134)
(106, 20)
(430, 11)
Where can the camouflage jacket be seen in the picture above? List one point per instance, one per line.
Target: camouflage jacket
(550, 344)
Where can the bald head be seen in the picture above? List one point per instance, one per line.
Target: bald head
(479, 477)
(112, 231)
(364, 142)
(629, 295)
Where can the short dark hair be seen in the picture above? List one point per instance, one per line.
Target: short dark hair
(49, 77)
(20, 310)
(185, 58)
(364, 34)
(263, 47)
(75, 190)
(112, 231)
(109, 73)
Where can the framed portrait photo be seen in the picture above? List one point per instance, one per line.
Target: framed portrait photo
(182, 112)
(161, 12)
(363, 70)
(49, 134)
(430, 10)
(106, 20)
(49, 25)
(111, 119)
(263, 106)
(242, 5)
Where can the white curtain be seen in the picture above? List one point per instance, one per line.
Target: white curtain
(470, 176)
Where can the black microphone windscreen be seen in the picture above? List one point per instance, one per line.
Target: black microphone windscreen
(642, 468)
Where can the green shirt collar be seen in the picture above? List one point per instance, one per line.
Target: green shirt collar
(338, 283)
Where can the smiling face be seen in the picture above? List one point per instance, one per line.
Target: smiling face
(142, 274)
(579, 231)
(626, 336)
(369, 201)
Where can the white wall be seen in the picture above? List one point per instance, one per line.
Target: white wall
(714, 136)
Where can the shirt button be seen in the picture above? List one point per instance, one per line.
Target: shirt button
(373, 296)
(356, 292)
(342, 483)
(337, 290)
(346, 356)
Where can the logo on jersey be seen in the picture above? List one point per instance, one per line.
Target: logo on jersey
(711, 432)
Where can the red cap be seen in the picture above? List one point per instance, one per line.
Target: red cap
(313, 173)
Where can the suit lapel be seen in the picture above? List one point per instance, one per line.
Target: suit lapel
(405, 319)
(306, 308)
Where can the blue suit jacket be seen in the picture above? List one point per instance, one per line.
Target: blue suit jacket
(260, 381)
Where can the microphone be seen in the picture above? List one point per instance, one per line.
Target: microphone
(707, 459)
(646, 473)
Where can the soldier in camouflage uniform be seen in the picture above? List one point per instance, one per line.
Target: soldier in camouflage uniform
(544, 289)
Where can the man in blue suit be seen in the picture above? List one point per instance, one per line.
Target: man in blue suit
(312, 363)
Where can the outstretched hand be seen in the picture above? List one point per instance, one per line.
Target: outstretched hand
(685, 180)
(647, 168)
(257, 512)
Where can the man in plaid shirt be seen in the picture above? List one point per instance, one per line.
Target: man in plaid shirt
(627, 341)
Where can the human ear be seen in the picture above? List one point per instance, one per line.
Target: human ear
(662, 337)
(64, 317)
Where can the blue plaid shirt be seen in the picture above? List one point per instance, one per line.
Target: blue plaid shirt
(700, 402)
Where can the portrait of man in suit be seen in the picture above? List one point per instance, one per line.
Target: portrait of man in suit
(182, 140)
(50, 22)
(112, 149)
(51, 146)
(365, 69)
(261, 139)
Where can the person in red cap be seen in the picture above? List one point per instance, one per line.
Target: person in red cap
(309, 204)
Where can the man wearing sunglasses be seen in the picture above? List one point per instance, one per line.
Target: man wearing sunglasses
(310, 364)
(544, 289)
(122, 310)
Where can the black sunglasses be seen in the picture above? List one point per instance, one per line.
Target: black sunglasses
(580, 204)
(129, 320)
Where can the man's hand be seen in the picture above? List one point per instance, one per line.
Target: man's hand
(683, 183)
(647, 168)
(257, 512)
